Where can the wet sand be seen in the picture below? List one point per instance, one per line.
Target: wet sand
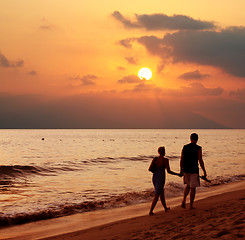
(219, 214)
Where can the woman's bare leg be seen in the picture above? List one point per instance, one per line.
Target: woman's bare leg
(162, 197)
(154, 202)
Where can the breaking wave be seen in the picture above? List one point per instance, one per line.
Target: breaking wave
(19, 171)
(172, 189)
(15, 171)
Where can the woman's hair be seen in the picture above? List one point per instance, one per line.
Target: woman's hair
(161, 150)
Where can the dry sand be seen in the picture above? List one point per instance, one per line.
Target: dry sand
(219, 216)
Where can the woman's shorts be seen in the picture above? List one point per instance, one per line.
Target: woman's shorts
(191, 179)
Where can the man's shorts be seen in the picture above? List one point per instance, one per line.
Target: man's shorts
(191, 179)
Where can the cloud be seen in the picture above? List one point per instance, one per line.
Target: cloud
(239, 94)
(131, 60)
(4, 62)
(130, 79)
(155, 46)
(224, 49)
(197, 89)
(127, 23)
(192, 90)
(127, 43)
(46, 25)
(194, 75)
(86, 79)
(33, 73)
(160, 67)
(121, 68)
(164, 22)
(142, 87)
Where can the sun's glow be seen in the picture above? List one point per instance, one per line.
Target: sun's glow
(145, 73)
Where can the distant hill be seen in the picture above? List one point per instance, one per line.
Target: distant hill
(90, 112)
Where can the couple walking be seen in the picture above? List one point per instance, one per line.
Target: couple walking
(191, 155)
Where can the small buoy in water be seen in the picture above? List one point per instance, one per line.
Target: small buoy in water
(42, 138)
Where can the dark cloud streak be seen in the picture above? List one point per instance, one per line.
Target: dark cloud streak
(126, 43)
(175, 22)
(192, 90)
(4, 62)
(131, 60)
(32, 73)
(164, 22)
(86, 80)
(194, 75)
(224, 49)
(239, 94)
(127, 23)
(197, 89)
(129, 79)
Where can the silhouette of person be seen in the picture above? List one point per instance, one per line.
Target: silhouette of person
(190, 156)
(158, 166)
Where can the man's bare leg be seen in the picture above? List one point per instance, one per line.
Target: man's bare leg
(192, 197)
(186, 192)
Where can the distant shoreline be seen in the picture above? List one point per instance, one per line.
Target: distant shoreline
(225, 128)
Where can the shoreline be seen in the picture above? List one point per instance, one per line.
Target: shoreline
(224, 219)
(107, 223)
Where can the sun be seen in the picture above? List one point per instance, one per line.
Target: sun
(145, 73)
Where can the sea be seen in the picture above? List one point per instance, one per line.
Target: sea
(53, 173)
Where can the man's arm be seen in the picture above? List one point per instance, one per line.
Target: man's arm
(181, 163)
(201, 162)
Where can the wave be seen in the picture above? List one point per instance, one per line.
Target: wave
(60, 210)
(172, 189)
(69, 209)
(219, 180)
(19, 170)
(23, 171)
(15, 171)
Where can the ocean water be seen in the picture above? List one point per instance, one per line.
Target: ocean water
(52, 173)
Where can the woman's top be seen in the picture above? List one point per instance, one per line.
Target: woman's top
(159, 174)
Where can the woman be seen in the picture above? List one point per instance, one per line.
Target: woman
(158, 166)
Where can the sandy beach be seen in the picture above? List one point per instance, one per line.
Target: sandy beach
(219, 214)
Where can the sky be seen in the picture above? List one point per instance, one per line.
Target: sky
(74, 64)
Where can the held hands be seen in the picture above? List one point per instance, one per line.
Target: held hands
(181, 174)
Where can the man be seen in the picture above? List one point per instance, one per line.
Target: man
(190, 156)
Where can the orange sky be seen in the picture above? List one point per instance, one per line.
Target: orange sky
(61, 49)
